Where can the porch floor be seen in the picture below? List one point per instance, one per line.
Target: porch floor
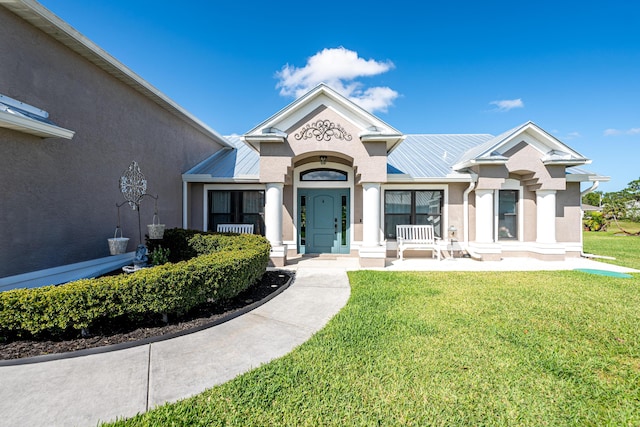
(455, 264)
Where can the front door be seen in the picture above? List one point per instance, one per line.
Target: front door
(324, 220)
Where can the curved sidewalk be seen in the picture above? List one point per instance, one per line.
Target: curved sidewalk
(84, 390)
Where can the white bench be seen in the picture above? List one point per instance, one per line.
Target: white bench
(417, 237)
(235, 228)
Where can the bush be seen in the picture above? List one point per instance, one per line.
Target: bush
(222, 267)
(595, 221)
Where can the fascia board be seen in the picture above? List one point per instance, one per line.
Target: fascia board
(576, 162)
(33, 127)
(210, 179)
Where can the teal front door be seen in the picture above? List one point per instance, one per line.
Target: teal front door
(323, 224)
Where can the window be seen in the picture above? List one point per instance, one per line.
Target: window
(412, 207)
(237, 207)
(508, 215)
(323, 175)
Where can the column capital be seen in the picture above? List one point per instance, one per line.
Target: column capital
(274, 185)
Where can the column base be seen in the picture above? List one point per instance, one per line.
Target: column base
(374, 256)
(278, 256)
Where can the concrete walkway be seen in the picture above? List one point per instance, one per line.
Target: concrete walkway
(84, 390)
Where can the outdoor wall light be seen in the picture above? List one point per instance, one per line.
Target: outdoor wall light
(452, 231)
(323, 160)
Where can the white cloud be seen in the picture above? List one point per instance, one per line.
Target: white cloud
(505, 105)
(339, 68)
(615, 132)
(572, 135)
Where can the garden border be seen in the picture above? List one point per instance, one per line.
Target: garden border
(150, 340)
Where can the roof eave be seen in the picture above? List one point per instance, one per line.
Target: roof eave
(33, 127)
(206, 178)
(569, 162)
(478, 162)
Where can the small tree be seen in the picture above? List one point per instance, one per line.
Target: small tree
(624, 204)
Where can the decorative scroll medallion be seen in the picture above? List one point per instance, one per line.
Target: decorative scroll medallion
(133, 185)
(323, 130)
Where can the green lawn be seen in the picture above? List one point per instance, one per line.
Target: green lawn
(626, 249)
(447, 349)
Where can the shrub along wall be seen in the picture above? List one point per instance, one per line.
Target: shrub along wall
(221, 266)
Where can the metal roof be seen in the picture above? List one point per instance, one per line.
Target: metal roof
(417, 157)
(239, 162)
(431, 156)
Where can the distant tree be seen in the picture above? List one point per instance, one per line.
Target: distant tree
(593, 198)
(623, 204)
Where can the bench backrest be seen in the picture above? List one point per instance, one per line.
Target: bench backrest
(415, 233)
(235, 228)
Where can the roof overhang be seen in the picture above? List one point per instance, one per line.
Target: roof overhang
(268, 134)
(208, 179)
(33, 127)
(480, 162)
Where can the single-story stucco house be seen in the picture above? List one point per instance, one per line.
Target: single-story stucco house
(322, 175)
(337, 179)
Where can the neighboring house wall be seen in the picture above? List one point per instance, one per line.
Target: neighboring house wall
(59, 195)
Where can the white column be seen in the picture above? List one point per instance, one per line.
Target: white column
(484, 216)
(546, 216)
(370, 214)
(273, 213)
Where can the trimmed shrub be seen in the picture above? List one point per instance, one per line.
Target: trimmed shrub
(222, 267)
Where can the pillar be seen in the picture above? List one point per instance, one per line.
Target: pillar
(546, 216)
(371, 214)
(484, 216)
(372, 253)
(273, 213)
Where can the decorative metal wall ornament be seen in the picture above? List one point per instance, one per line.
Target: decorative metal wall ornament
(133, 185)
(323, 130)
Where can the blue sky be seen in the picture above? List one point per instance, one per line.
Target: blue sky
(424, 67)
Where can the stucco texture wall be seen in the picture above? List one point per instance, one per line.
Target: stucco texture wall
(58, 195)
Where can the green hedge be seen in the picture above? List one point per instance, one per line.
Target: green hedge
(222, 266)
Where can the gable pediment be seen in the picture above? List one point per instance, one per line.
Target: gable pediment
(347, 118)
(496, 150)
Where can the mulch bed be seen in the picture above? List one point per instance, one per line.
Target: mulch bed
(119, 331)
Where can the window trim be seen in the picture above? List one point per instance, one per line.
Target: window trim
(236, 197)
(222, 187)
(443, 206)
(509, 184)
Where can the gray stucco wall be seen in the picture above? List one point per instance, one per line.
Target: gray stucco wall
(58, 196)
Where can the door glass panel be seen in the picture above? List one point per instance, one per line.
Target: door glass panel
(344, 221)
(323, 175)
(303, 219)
